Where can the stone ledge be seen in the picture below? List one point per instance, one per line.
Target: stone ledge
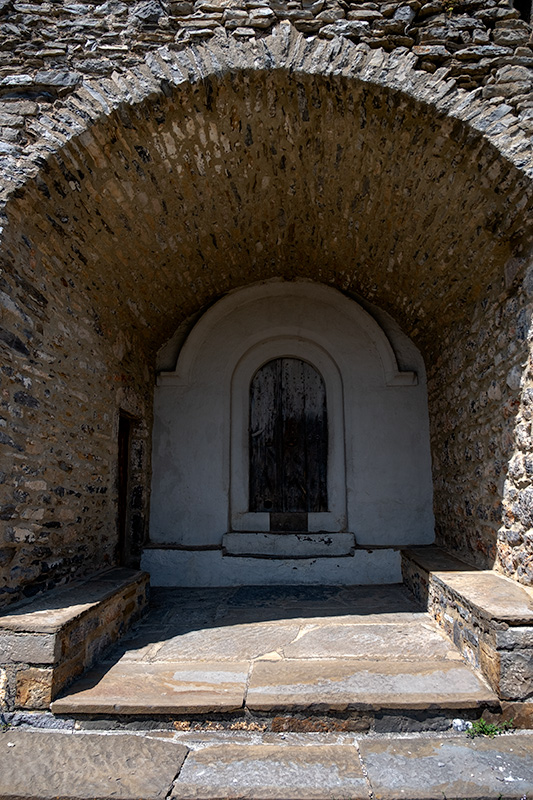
(259, 544)
(47, 642)
(488, 617)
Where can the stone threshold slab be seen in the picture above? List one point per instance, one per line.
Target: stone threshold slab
(158, 688)
(39, 765)
(344, 685)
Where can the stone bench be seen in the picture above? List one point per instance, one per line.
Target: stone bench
(48, 641)
(487, 616)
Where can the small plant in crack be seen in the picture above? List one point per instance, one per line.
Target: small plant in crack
(481, 727)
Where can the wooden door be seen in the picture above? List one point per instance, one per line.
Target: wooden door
(288, 438)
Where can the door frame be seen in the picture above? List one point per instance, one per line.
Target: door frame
(286, 347)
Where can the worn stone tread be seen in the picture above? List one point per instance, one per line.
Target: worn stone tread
(43, 765)
(370, 642)
(160, 688)
(231, 642)
(344, 684)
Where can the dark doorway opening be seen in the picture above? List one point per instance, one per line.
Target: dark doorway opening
(124, 555)
(524, 8)
(288, 442)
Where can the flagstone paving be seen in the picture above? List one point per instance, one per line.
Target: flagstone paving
(280, 649)
(231, 765)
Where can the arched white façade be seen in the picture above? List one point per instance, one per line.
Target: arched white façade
(378, 467)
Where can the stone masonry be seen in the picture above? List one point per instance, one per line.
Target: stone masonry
(45, 644)
(156, 155)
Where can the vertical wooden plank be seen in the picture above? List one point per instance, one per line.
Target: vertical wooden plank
(316, 422)
(294, 481)
(265, 404)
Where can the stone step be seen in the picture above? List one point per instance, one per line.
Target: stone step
(49, 640)
(360, 689)
(41, 765)
(488, 617)
(272, 544)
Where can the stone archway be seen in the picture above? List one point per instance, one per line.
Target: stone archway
(284, 159)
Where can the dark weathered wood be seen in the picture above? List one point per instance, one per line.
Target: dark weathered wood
(289, 521)
(264, 438)
(316, 435)
(293, 445)
(288, 438)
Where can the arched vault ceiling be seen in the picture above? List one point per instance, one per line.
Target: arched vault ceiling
(165, 204)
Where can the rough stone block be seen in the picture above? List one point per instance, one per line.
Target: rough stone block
(3, 689)
(516, 675)
(520, 714)
(34, 687)
(27, 648)
(515, 638)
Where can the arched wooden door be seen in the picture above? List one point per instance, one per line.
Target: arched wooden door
(288, 442)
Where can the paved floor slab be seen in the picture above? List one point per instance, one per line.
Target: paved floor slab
(364, 603)
(370, 641)
(453, 768)
(341, 685)
(42, 765)
(229, 642)
(269, 772)
(163, 688)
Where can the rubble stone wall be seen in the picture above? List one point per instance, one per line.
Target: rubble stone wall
(155, 157)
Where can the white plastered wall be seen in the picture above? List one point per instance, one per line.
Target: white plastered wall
(379, 473)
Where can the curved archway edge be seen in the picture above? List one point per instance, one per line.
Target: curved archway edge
(284, 49)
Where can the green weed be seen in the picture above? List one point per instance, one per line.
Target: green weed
(481, 727)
